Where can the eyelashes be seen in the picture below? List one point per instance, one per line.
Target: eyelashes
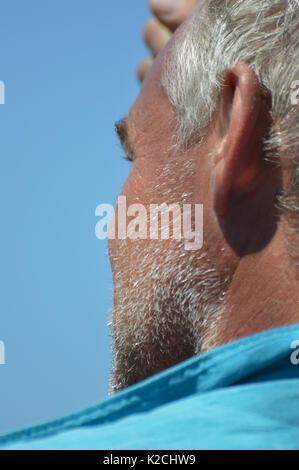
(128, 158)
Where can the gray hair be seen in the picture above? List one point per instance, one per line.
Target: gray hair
(265, 34)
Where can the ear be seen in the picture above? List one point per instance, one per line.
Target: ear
(241, 123)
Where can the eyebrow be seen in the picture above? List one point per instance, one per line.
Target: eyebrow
(121, 129)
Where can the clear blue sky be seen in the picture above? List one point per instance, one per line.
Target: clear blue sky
(69, 71)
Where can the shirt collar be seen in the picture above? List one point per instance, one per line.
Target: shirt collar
(263, 356)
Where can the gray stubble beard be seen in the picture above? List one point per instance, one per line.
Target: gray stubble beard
(167, 300)
(168, 314)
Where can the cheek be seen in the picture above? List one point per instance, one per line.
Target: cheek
(136, 190)
(141, 187)
(143, 180)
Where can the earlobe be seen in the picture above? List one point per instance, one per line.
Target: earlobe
(242, 121)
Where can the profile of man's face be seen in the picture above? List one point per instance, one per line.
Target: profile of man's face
(212, 143)
(163, 293)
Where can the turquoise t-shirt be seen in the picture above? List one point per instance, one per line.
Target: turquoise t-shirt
(243, 395)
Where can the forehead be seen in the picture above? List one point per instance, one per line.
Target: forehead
(152, 111)
(152, 116)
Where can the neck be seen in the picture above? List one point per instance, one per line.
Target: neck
(263, 294)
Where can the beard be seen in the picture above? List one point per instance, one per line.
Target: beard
(167, 300)
(166, 309)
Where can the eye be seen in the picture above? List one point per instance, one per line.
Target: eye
(128, 158)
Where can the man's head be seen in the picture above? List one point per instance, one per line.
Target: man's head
(214, 125)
